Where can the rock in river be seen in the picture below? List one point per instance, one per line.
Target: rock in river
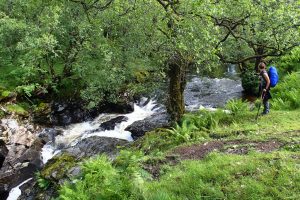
(139, 128)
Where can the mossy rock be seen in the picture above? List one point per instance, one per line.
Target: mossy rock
(5, 94)
(58, 167)
(17, 109)
(42, 108)
(41, 113)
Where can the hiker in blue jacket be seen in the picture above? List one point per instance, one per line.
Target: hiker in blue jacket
(264, 87)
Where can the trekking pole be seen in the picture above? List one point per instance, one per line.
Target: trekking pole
(262, 97)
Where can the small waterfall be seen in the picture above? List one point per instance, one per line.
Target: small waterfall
(231, 70)
(76, 132)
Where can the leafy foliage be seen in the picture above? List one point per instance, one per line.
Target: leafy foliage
(290, 62)
(237, 106)
(250, 81)
(103, 181)
(185, 132)
(287, 92)
(255, 29)
(42, 182)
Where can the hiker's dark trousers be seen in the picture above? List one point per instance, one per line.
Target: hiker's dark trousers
(266, 106)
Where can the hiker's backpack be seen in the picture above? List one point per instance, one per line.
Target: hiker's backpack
(273, 75)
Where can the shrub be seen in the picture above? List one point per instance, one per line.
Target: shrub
(286, 95)
(183, 132)
(250, 82)
(155, 141)
(237, 106)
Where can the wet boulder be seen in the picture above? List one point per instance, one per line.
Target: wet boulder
(210, 92)
(65, 165)
(48, 135)
(55, 173)
(65, 113)
(22, 154)
(15, 175)
(110, 125)
(42, 114)
(95, 145)
(57, 168)
(139, 128)
(3, 152)
(121, 107)
(32, 191)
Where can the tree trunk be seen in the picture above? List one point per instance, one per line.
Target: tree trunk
(176, 106)
(259, 51)
(242, 67)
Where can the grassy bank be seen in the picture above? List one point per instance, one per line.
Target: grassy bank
(208, 156)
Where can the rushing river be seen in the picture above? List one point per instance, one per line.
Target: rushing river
(76, 132)
(199, 92)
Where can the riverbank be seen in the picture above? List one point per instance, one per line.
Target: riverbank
(237, 158)
(243, 152)
(233, 131)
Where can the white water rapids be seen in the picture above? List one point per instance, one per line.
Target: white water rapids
(16, 192)
(206, 92)
(76, 132)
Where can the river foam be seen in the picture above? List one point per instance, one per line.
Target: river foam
(16, 192)
(76, 132)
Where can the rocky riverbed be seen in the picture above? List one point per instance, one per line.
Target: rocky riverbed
(70, 134)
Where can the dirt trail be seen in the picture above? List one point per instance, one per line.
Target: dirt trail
(199, 151)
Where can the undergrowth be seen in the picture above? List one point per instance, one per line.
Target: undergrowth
(218, 176)
(254, 175)
(287, 93)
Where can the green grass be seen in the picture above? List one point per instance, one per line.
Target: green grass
(221, 176)
(218, 176)
(255, 175)
(272, 125)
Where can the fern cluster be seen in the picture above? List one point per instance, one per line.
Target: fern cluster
(197, 126)
(104, 179)
(42, 182)
(237, 107)
(286, 95)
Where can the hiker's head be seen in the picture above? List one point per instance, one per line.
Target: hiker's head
(261, 66)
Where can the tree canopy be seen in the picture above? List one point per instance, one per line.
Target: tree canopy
(108, 50)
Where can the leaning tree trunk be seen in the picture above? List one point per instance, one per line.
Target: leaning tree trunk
(177, 76)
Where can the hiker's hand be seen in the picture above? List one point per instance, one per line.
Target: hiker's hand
(263, 93)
